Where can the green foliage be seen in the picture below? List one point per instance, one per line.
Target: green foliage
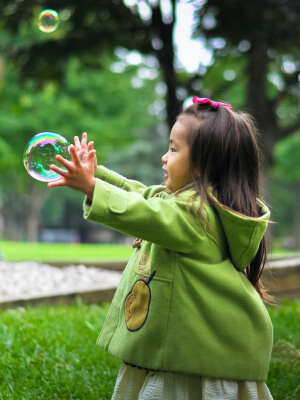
(226, 79)
(144, 156)
(284, 206)
(285, 185)
(87, 28)
(101, 102)
(252, 20)
(259, 41)
(63, 82)
(286, 156)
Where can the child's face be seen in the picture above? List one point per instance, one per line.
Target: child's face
(177, 160)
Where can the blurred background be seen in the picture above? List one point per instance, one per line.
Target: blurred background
(121, 71)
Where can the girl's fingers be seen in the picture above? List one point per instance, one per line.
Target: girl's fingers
(75, 175)
(75, 156)
(56, 183)
(66, 163)
(84, 140)
(63, 161)
(77, 143)
(58, 170)
(90, 146)
(81, 145)
(91, 154)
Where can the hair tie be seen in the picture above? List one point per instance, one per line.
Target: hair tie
(214, 104)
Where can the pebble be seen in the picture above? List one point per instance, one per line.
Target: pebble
(31, 279)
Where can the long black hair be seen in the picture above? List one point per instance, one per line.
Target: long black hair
(225, 158)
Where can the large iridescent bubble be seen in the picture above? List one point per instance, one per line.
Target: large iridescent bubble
(40, 153)
(48, 20)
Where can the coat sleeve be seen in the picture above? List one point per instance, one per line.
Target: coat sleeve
(163, 220)
(126, 184)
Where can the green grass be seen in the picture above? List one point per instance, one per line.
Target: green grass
(49, 353)
(24, 251)
(34, 251)
(284, 376)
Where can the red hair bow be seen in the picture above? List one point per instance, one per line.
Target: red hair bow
(215, 104)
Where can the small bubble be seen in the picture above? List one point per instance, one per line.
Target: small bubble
(48, 21)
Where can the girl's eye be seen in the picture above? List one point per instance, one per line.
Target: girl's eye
(172, 150)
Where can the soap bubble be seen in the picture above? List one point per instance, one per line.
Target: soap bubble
(40, 153)
(48, 20)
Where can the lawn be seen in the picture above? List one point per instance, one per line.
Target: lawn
(50, 353)
(37, 251)
(33, 251)
(284, 376)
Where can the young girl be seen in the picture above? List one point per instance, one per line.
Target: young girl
(187, 319)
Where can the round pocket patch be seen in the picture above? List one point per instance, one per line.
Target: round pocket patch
(137, 304)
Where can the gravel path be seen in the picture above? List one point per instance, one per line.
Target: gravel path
(30, 279)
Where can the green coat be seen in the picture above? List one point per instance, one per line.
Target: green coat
(183, 304)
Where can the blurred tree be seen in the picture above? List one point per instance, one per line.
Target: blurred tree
(89, 28)
(114, 115)
(57, 94)
(145, 157)
(255, 46)
(286, 182)
(260, 37)
(264, 37)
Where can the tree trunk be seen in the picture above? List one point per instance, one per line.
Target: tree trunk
(21, 213)
(34, 201)
(262, 108)
(166, 59)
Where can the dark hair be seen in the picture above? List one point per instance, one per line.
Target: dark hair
(225, 158)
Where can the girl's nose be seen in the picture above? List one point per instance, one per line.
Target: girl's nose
(164, 158)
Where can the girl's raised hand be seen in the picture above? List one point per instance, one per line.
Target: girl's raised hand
(78, 176)
(83, 147)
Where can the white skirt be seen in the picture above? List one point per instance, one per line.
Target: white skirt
(140, 384)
